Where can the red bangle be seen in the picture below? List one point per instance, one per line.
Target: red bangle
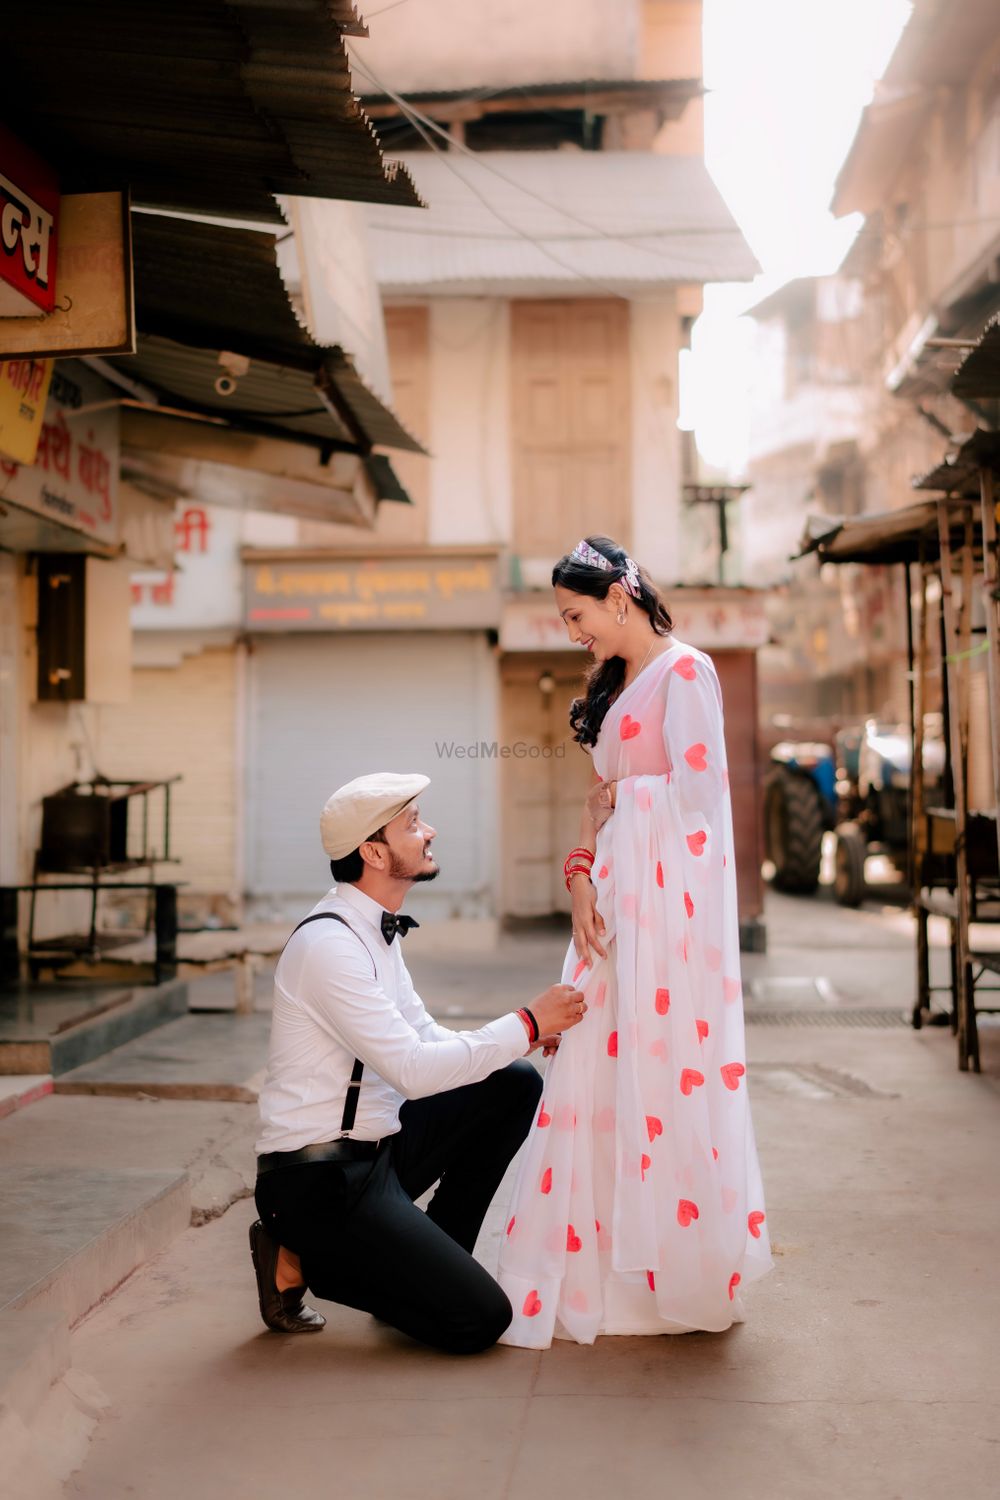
(585, 854)
(578, 871)
(530, 1022)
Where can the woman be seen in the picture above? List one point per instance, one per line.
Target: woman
(639, 1206)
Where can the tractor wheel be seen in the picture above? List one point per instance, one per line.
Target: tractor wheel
(849, 870)
(793, 815)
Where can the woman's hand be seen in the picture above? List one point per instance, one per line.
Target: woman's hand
(588, 924)
(600, 802)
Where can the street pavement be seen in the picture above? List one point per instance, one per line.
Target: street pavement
(868, 1367)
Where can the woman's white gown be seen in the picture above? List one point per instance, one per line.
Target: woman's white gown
(639, 1206)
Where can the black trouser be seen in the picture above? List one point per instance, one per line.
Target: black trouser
(363, 1242)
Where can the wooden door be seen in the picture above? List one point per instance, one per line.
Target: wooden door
(541, 793)
(570, 423)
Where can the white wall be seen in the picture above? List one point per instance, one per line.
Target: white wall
(453, 44)
(470, 420)
(656, 452)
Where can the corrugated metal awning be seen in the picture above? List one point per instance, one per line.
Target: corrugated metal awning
(958, 473)
(895, 536)
(203, 289)
(558, 223)
(203, 105)
(669, 96)
(978, 376)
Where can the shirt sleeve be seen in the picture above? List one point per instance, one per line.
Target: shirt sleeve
(419, 1017)
(340, 993)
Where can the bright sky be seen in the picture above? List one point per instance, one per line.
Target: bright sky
(788, 80)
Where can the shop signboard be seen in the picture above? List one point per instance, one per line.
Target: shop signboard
(95, 309)
(74, 479)
(422, 591)
(24, 391)
(29, 228)
(716, 619)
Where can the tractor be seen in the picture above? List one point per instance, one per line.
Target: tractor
(857, 785)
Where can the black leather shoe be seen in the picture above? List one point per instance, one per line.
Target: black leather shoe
(285, 1312)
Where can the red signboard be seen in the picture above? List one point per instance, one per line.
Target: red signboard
(29, 225)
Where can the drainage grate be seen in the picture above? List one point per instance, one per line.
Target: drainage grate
(871, 1019)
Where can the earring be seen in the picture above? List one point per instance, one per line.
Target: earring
(620, 617)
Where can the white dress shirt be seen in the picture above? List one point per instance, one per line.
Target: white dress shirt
(339, 995)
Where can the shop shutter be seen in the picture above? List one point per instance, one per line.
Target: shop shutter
(327, 708)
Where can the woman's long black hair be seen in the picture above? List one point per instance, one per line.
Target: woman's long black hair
(604, 680)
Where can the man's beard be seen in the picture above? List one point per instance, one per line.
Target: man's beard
(398, 870)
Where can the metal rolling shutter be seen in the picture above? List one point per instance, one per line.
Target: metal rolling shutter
(327, 708)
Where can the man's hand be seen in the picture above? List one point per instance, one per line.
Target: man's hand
(559, 1008)
(548, 1044)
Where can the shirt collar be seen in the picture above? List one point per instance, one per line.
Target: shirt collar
(364, 905)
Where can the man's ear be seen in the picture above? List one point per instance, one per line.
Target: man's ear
(373, 853)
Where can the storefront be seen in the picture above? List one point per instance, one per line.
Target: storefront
(359, 664)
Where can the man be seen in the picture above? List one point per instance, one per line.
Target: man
(368, 1102)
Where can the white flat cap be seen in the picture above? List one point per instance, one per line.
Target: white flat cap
(367, 803)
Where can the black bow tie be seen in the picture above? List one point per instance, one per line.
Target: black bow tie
(393, 923)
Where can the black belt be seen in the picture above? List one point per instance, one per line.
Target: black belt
(326, 1151)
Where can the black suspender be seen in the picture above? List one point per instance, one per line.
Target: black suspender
(354, 1087)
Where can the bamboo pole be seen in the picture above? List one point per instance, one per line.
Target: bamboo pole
(991, 603)
(918, 822)
(956, 667)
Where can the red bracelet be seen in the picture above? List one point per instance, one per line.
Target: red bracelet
(530, 1022)
(585, 854)
(579, 870)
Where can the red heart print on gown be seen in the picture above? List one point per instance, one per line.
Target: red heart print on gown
(578, 1302)
(654, 1125)
(645, 1164)
(613, 1044)
(686, 1211)
(659, 874)
(754, 1221)
(643, 799)
(545, 1186)
(691, 1079)
(629, 728)
(734, 1282)
(600, 995)
(602, 873)
(688, 904)
(662, 1002)
(532, 1305)
(702, 1029)
(715, 1153)
(713, 958)
(730, 990)
(573, 1240)
(696, 842)
(659, 1049)
(510, 1226)
(731, 1074)
(652, 1281)
(581, 966)
(543, 1118)
(685, 668)
(697, 757)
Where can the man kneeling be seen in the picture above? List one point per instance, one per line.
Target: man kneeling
(368, 1101)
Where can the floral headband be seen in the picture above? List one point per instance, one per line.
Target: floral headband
(585, 553)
